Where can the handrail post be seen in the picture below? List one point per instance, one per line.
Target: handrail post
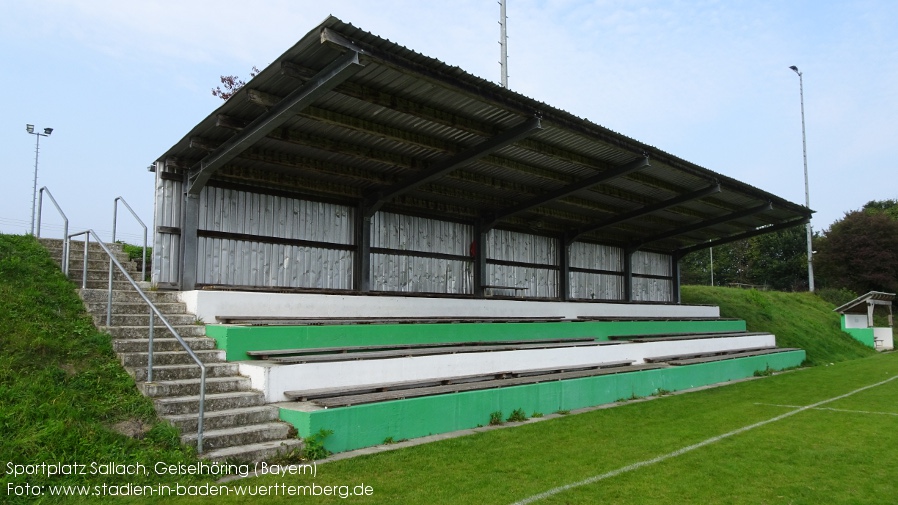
(150, 353)
(84, 270)
(143, 259)
(65, 226)
(199, 421)
(154, 312)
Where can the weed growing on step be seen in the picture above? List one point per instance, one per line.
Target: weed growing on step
(517, 416)
(313, 445)
(662, 392)
(536, 415)
(766, 372)
(496, 418)
(563, 412)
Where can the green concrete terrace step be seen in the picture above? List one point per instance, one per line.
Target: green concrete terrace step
(237, 341)
(369, 424)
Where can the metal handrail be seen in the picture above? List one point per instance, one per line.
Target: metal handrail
(143, 269)
(154, 312)
(65, 227)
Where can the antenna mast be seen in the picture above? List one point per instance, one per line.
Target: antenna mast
(503, 42)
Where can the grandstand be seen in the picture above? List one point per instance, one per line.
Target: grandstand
(389, 247)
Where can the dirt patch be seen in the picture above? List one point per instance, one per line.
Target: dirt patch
(134, 428)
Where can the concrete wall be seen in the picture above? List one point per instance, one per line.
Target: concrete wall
(273, 379)
(370, 424)
(208, 304)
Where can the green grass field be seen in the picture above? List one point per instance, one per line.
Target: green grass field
(840, 452)
(62, 391)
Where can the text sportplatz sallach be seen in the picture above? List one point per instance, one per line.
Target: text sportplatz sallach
(159, 468)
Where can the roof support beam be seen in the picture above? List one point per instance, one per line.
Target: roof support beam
(740, 236)
(490, 220)
(377, 199)
(642, 211)
(710, 222)
(336, 72)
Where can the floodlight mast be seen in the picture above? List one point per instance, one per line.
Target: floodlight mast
(807, 198)
(503, 41)
(37, 146)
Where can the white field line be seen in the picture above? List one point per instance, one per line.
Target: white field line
(689, 448)
(832, 409)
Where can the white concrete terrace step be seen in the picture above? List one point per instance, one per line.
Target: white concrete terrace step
(162, 344)
(175, 372)
(229, 418)
(240, 435)
(213, 402)
(170, 357)
(126, 332)
(254, 452)
(191, 387)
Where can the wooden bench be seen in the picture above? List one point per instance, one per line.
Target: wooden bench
(372, 397)
(518, 291)
(695, 361)
(264, 354)
(657, 337)
(426, 351)
(322, 321)
(311, 394)
(679, 357)
(649, 318)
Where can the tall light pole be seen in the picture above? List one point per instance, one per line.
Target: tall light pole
(807, 198)
(37, 146)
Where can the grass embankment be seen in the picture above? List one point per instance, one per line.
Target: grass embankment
(63, 393)
(801, 320)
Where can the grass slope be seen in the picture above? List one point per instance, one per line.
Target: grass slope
(797, 319)
(61, 387)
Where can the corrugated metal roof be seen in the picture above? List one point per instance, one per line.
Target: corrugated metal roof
(404, 113)
(859, 304)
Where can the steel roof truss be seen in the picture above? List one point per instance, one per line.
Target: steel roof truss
(708, 223)
(336, 72)
(490, 220)
(378, 198)
(642, 211)
(740, 236)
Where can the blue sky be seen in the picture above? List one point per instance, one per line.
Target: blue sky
(708, 81)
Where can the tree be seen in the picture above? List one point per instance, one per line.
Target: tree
(887, 207)
(860, 252)
(232, 84)
(777, 260)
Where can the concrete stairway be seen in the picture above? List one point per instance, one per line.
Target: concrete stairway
(237, 423)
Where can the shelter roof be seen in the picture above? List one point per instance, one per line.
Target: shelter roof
(859, 304)
(349, 116)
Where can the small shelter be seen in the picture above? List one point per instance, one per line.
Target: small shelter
(857, 320)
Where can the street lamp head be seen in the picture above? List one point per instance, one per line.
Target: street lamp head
(48, 131)
(29, 128)
(795, 69)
